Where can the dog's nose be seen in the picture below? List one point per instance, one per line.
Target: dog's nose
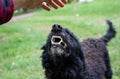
(56, 28)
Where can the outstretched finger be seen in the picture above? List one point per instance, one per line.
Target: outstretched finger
(59, 3)
(53, 4)
(45, 6)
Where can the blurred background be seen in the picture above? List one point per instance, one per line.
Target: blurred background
(22, 37)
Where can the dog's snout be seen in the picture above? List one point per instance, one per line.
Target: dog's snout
(56, 28)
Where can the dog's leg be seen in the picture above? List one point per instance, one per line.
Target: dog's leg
(108, 73)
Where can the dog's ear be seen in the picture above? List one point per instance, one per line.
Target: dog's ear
(43, 47)
(71, 34)
(68, 31)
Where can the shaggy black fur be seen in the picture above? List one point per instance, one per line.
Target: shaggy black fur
(77, 60)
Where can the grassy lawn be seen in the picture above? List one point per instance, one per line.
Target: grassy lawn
(20, 40)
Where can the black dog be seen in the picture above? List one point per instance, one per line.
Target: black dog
(64, 57)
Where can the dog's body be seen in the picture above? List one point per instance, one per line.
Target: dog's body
(96, 59)
(64, 57)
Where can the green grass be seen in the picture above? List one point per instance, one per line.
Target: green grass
(20, 41)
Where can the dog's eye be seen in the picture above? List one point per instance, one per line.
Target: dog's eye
(56, 39)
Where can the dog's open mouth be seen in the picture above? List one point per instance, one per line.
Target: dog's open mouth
(58, 41)
(58, 45)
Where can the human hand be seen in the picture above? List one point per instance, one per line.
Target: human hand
(54, 3)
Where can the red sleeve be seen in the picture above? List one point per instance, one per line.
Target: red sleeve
(6, 10)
